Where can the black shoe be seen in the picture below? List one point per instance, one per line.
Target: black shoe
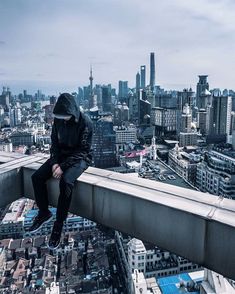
(39, 220)
(54, 241)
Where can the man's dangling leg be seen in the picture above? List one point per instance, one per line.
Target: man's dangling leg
(65, 197)
(39, 179)
(67, 182)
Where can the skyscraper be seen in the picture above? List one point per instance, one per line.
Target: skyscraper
(202, 90)
(122, 90)
(103, 140)
(152, 71)
(137, 82)
(183, 97)
(186, 119)
(220, 115)
(143, 76)
(106, 99)
(144, 109)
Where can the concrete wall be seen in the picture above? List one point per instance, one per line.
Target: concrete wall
(195, 225)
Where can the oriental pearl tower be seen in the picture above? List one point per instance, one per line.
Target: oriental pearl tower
(92, 100)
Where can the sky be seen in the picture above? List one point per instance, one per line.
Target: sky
(50, 45)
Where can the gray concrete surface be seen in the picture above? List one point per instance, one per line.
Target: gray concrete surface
(196, 225)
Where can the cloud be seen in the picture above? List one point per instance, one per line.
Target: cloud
(60, 39)
(220, 12)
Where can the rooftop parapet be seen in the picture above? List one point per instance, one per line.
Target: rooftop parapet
(196, 225)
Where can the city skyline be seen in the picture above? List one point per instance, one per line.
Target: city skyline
(51, 46)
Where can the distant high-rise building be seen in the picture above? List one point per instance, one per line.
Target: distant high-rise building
(151, 97)
(144, 109)
(103, 140)
(121, 114)
(152, 71)
(38, 95)
(137, 82)
(118, 114)
(220, 116)
(52, 100)
(133, 104)
(186, 96)
(4, 91)
(15, 116)
(80, 96)
(166, 100)
(86, 92)
(5, 99)
(186, 120)
(49, 113)
(122, 90)
(1, 115)
(113, 92)
(164, 120)
(204, 112)
(143, 76)
(202, 121)
(98, 93)
(106, 99)
(25, 93)
(202, 86)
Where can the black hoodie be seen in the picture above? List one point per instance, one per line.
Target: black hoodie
(71, 140)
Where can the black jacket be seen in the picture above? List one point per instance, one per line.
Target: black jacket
(71, 140)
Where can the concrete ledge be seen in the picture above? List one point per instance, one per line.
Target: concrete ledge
(9, 156)
(198, 226)
(11, 177)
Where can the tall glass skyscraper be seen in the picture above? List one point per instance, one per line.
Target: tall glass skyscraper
(143, 76)
(137, 82)
(152, 71)
(122, 89)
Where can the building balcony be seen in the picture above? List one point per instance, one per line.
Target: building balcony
(192, 224)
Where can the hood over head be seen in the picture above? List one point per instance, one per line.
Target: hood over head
(66, 105)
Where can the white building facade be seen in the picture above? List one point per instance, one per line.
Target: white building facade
(216, 174)
(156, 262)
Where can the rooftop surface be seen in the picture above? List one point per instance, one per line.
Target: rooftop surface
(168, 176)
(171, 285)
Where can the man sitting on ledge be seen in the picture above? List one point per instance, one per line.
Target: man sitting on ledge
(70, 156)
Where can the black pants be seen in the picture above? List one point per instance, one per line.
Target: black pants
(67, 181)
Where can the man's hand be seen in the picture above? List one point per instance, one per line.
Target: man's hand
(54, 167)
(57, 172)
